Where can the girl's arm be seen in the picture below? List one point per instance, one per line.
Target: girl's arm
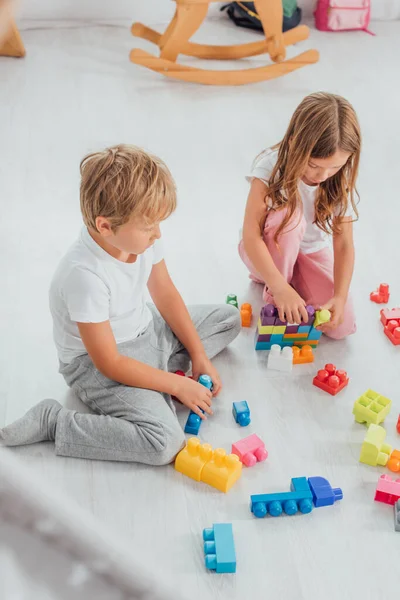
(343, 252)
(286, 298)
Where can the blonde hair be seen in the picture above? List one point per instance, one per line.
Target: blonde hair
(322, 124)
(122, 182)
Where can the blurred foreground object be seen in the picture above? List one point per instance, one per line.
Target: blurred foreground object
(10, 40)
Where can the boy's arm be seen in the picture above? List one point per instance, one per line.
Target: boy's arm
(173, 310)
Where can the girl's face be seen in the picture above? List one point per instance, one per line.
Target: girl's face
(320, 169)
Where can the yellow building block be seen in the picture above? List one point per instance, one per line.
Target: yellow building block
(264, 329)
(321, 317)
(222, 470)
(191, 460)
(279, 329)
(371, 407)
(373, 451)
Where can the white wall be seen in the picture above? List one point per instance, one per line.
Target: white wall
(150, 11)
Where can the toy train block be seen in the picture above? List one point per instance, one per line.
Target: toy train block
(392, 331)
(194, 420)
(331, 380)
(280, 360)
(302, 355)
(232, 299)
(219, 548)
(387, 490)
(241, 413)
(381, 295)
(389, 314)
(373, 450)
(298, 499)
(371, 407)
(322, 317)
(191, 460)
(323, 493)
(250, 450)
(222, 470)
(246, 313)
(394, 461)
(397, 515)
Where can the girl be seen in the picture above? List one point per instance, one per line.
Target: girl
(302, 190)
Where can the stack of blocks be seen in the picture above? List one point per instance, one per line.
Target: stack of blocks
(271, 330)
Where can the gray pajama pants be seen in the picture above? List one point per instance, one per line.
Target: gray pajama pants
(134, 424)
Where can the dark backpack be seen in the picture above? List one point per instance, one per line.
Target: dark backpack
(244, 14)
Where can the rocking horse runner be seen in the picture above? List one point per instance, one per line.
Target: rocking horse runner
(189, 15)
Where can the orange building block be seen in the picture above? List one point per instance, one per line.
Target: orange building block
(394, 461)
(246, 313)
(290, 336)
(191, 460)
(222, 471)
(302, 355)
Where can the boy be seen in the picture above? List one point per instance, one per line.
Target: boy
(116, 352)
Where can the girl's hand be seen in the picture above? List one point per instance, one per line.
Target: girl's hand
(201, 365)
(336, 307)
(193, 395)
(291, 307)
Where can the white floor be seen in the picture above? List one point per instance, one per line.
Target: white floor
(76, 91)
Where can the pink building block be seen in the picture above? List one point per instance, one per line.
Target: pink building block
(387, 490)
(250, 450)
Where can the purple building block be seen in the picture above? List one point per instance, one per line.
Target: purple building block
(292, 329)
(263, 337)
(268, 315)
(311, 315)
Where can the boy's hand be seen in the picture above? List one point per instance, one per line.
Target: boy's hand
(201, 365)
(194, 395)
(336, 307)
(291, 307)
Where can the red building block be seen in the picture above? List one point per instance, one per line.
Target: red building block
(387, 490)
(331, 380)
(392, 331)
(394, 461)
(388, 314)
(381, 296)
(398, 425)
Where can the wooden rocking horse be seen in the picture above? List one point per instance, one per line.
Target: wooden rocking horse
(189, 15)
(10, 41)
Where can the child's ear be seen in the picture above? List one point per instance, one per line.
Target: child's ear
(103, 226)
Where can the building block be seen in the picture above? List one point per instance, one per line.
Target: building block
(392, 331)
(304, 329)
(191, 460)
(241, 413)
(250, 450)
(276, 338)
(279, 329)
(280, 360)
(398, 424)
(389, 314)
(219, 548)
(396, 508)
(194, 420)
(264, 329)
(222, 470)
(314, 334)
(298, 499)
(373, 450)
(302, 355)
(371, 407)
(263, 338)
(295, 336)
(232, 299)
(214, 467)
(263, 345)
(311, 315)
(331, 380)
(394, 461)
(307, 342)
(322, 317)
(246, 313)
(323, 493)
(292, 328)
(268, 315)
(387, 490)
(381, 295)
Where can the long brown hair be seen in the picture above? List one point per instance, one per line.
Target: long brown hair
(322, 124)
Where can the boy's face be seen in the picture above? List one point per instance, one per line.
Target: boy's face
(134, 237)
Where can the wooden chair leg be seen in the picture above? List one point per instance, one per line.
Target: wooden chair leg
(11, 44)
(271, 15)
(187, 20)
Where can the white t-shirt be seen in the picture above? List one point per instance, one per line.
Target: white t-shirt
(314, 239)
(90, 286)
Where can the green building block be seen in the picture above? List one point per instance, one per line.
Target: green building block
(232, 299)
(371, 407)
(373, 451)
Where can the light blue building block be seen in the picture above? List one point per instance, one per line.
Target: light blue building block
(314, 334)
(276, 338)
(304, 329)
(219, 548)
(299, 498)
(241, 413)
(194, 421)
(263, 346)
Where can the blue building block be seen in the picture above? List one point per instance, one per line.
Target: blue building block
(194, 421)
(314, 334)
(219, 548)
(276, 338)
(299, 498)
(304, 329)
(241, 413)
(323, 493)
(263, 346)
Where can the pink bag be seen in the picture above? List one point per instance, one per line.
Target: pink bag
(343, 15)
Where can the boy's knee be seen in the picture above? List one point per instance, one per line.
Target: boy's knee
(231, 316)
(167, 446)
